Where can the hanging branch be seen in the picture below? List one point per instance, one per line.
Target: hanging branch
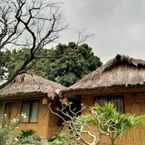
(39, 21)
(70, 121)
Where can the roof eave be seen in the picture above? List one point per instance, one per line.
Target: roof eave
(22, 95)
(101, 91)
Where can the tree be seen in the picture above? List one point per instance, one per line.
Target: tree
(73, 126)
(111, 123)
(75, 61)
(29, 24)
(107, 120)
(4, 60)
(65, 64)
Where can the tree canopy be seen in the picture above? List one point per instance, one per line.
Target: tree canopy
(64, 64)
(24, 24)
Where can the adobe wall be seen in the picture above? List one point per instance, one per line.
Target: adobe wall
(47, 123)
(134, 104)
(41, 127)
(54, 123)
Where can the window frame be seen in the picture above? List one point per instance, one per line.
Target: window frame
(110, 101)
(30, 110)
(7, 110)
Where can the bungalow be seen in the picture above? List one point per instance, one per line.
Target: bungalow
(120, 81)
(32, 95)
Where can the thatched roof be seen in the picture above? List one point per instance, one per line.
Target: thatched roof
(119, 71)
(27, 84)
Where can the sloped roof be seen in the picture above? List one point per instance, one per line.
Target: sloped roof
(119, 71)
(28, 83)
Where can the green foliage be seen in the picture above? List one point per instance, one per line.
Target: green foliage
(106, 118)
(65, 64)
(30, 139)
(4, 63)
(108, 122)
(82, 121)
(12, 60)
(70, 135)
(73, 63)
(112, 123)
(63, 138)
(8, 133)
(26, 133)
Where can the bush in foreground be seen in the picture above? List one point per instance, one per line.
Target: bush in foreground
(106, 119)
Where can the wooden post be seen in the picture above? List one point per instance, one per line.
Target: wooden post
(45, 101)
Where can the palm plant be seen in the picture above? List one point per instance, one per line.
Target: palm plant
(111, 123)
(108, 121)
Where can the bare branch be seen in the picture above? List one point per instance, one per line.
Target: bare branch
(38, 21)
(83, 37)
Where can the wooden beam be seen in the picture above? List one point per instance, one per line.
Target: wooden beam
(105, 91)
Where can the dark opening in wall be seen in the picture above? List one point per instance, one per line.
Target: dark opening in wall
(70, 107)
(75, 105)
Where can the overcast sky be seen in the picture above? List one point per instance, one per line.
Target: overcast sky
(118, 25)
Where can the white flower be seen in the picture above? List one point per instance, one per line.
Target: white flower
(24, 115)
(16, 139)
(14, 120)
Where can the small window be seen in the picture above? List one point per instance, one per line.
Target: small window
(116, 100)
(30, 111)
(9, 109)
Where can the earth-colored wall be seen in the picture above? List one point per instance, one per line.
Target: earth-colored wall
(54, 122)
(47, 124)
(41, 127)
(134, 104)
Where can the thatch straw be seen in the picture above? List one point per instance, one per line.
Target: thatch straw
(120, 71)
(27, 83)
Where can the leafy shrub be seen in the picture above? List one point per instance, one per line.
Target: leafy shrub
(31, 139)
(111, 123)
(108, 122)
(8, 130)
(9, 135)
(63, 138)
(26, 133)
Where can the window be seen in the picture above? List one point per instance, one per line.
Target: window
(9, 110)
(30, 110)
(116, 100)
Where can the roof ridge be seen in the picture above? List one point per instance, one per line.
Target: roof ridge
(118, 60)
